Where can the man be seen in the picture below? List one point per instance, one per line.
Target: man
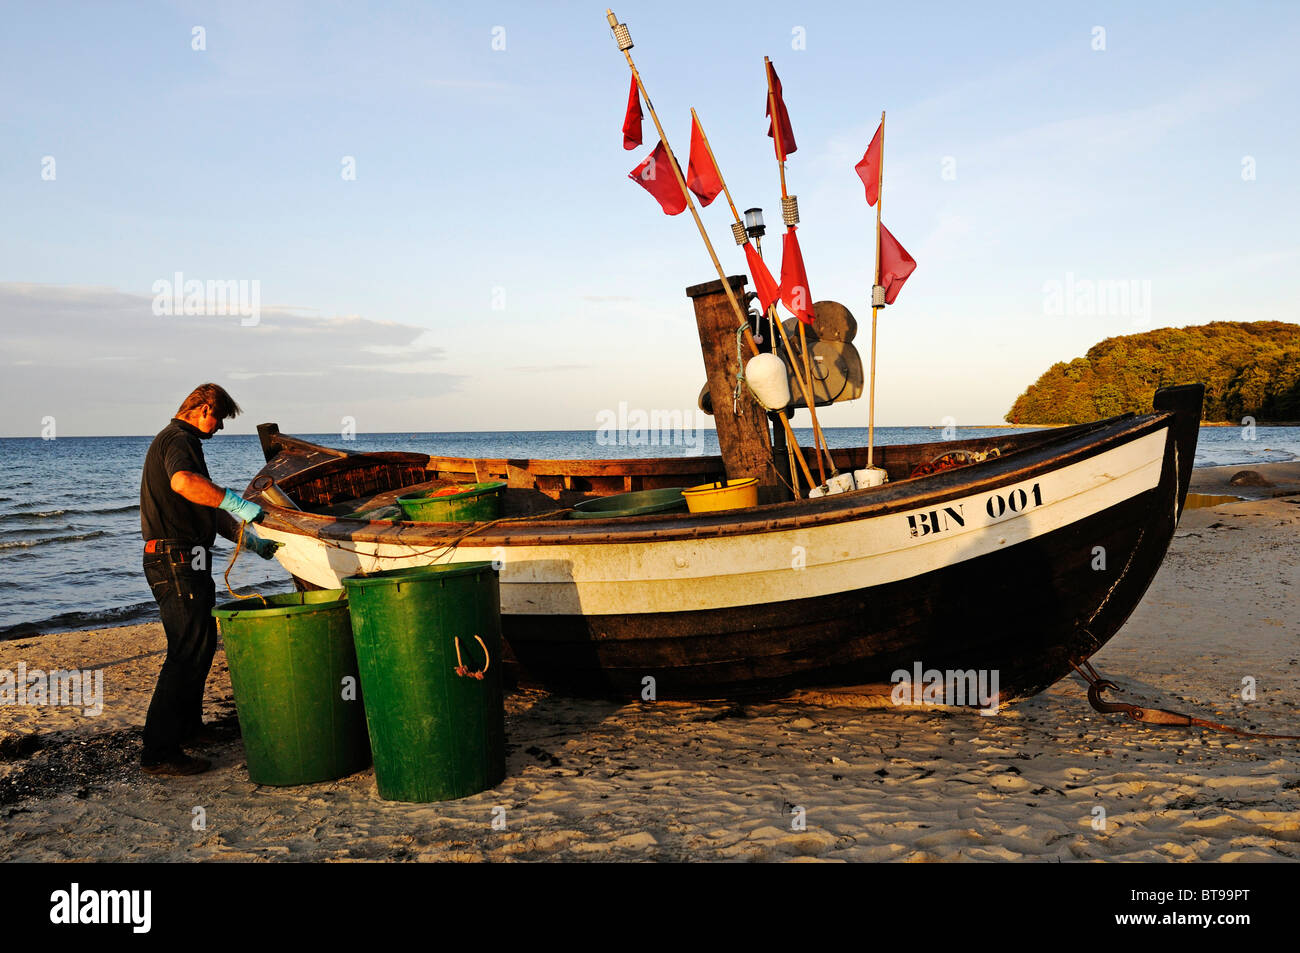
(181, 511)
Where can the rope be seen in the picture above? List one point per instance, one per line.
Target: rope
(239, 545)
(952, 459)
(443, 549)
(740, 375)
(771, 454)
(464, 672)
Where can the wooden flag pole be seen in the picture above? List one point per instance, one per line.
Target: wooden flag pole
(776, 122)
(875, 309)
(818, 437)
(714, 159)
(773, 317)
(805, 390)
(780, 162)
(741, 317)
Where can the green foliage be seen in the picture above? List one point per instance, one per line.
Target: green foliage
(1249, 369)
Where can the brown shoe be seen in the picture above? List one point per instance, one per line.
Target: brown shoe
(207, 735)
(176, 765)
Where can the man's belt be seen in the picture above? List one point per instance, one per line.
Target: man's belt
(168, 545)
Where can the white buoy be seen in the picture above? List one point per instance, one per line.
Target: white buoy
(769, 381)
(869, 476)
(841, 483)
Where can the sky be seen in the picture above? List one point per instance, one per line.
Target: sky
(432, 205)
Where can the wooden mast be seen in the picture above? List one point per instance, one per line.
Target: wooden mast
(875, 308)
(773, 316)
(818, 437)
(624, 40)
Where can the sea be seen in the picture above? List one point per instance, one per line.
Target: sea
(70, 545)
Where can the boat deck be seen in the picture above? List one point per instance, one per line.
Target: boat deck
(515, 502)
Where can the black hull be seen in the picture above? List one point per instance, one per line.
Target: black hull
(1026, 612)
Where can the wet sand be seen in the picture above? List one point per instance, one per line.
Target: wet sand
(811, 778)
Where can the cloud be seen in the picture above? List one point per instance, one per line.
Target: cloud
(548, 368)
(101, 362)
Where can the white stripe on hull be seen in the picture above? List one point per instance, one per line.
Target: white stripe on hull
(685, 575)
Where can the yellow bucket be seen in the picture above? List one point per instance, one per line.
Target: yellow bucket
(729, 495)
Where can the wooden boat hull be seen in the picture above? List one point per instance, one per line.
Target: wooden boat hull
(1014, 611)
(1017, 566)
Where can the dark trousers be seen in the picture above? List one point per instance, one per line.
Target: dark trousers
(185, 598)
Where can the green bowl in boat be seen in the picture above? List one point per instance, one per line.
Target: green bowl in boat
(473, 503)
(640, 503)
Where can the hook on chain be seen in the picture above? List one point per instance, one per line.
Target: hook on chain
(1153, 716)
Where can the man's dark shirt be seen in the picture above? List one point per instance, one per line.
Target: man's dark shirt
(164, 513)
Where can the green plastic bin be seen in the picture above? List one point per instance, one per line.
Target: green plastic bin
(639, 503)
(428, 643)
(475, 503)
(297, 689)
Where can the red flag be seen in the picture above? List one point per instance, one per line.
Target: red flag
(632, 121)
(701, 174)
(764, 283)
(869, 168)
(655, 175)
(794, 279)
(895, 265)
(786, 144)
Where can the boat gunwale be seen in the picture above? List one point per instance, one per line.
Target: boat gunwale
(617, 466)
(898, 496)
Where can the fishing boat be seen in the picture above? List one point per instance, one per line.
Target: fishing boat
(1017, 555)
(1020, 554)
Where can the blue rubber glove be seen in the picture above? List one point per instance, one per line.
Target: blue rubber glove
(263, 547)
(240, 508)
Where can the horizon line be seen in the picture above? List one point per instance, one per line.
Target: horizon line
(387, 433)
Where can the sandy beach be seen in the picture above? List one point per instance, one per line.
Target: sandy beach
(816, 777)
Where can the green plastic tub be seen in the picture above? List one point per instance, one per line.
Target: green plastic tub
(476, 503)
(297, 689)
(640, 503)
(428, 643)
